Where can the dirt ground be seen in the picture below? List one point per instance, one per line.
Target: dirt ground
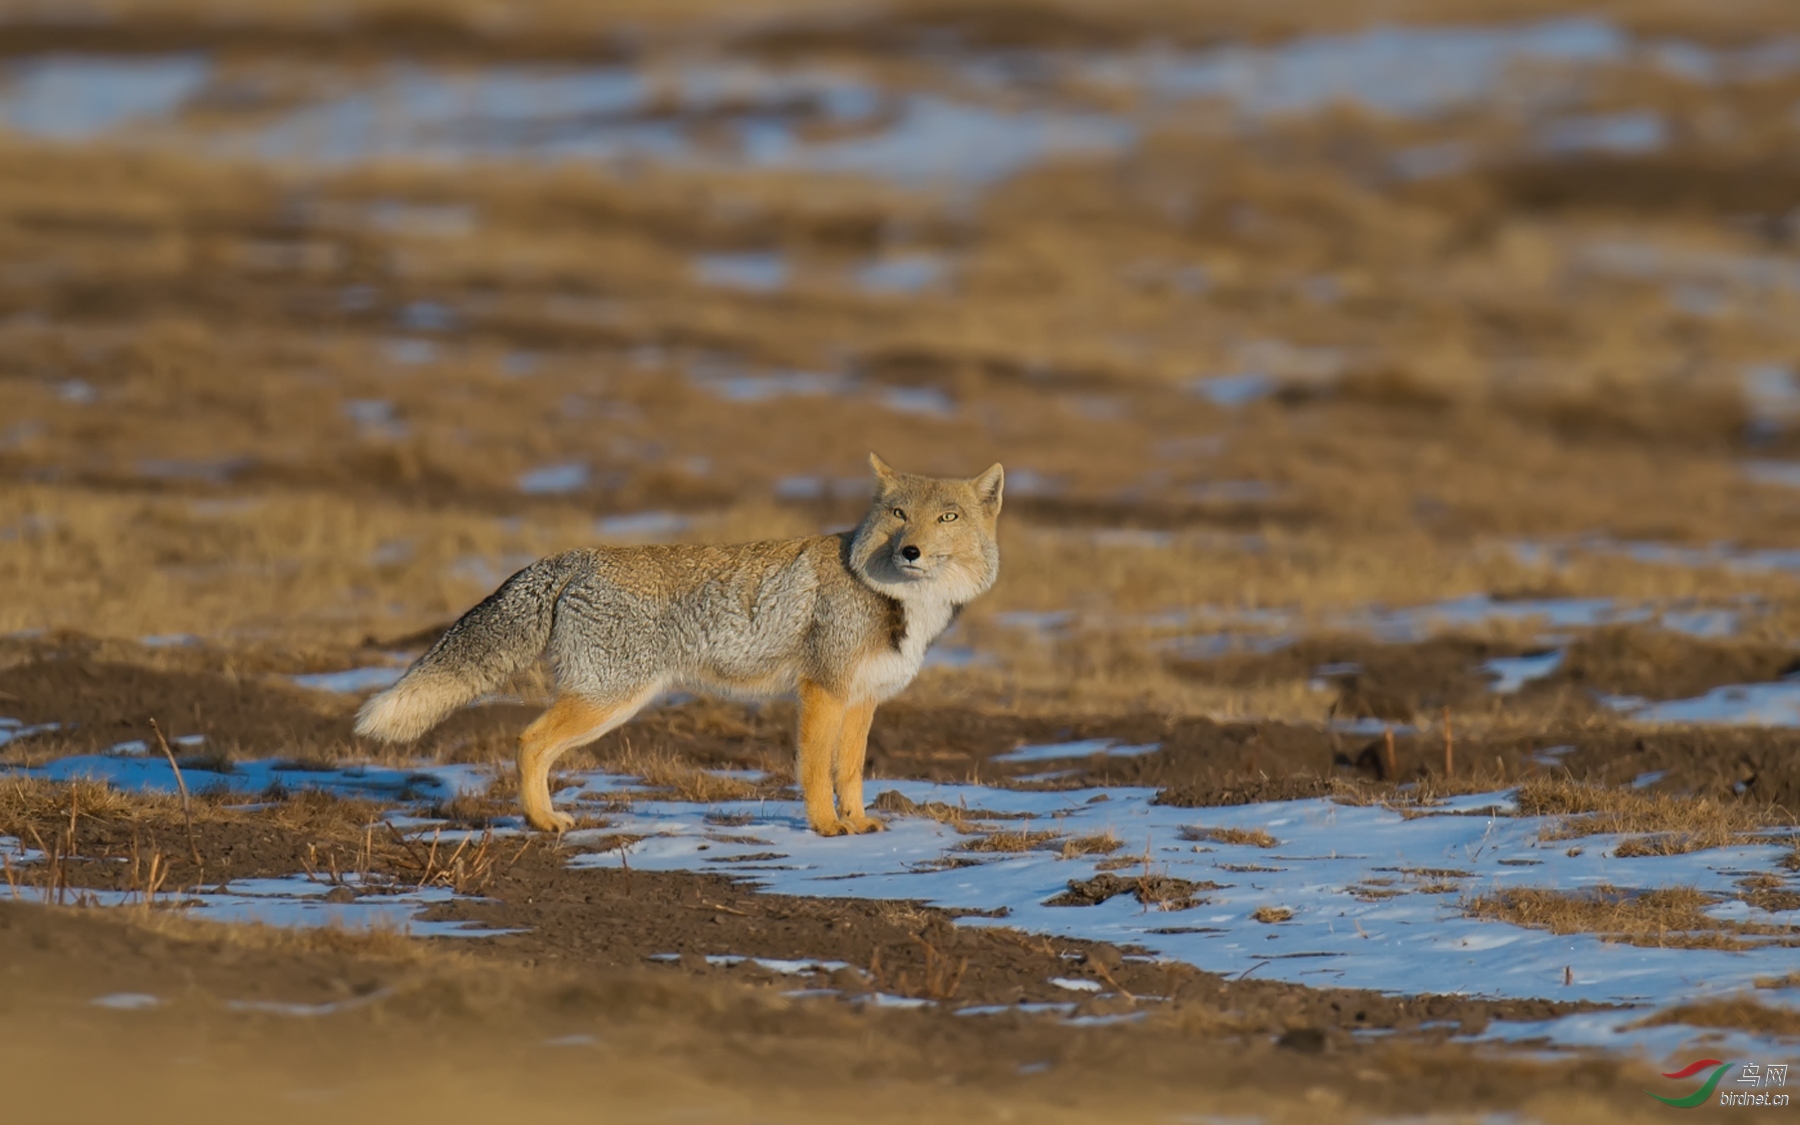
(355, 1021)
(463, 1036)
(1279, 391)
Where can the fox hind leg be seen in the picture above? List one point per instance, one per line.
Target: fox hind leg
(847, 768)
(570, 722)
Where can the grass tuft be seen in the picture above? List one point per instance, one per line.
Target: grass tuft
(1664, 917)
(1738, 1013)
(681, 780)
(1657, 823)
(1023, 840)
(1102, 843)
(1253, 837)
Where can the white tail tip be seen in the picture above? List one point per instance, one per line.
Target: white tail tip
(406, 710)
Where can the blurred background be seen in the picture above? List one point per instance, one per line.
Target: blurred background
(1391, 392)
(1287, 319)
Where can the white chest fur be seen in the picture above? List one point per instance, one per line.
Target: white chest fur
(890, 669)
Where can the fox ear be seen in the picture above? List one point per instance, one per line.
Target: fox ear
(883, 472)
(989, 486)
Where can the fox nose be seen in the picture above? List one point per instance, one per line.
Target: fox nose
(910, 554)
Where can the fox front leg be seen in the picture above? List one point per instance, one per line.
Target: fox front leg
(853, 746)
(821, 726)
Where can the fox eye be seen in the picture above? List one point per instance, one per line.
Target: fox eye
(901, 512)
(947, 517)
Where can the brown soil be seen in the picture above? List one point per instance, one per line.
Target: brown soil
(1657, 664)
(462, 1033)
(1394, 682)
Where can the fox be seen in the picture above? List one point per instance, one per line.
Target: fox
(841, 621)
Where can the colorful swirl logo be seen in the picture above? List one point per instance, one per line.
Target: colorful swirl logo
(1704, 1092)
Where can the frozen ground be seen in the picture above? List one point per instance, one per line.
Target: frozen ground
(296, 901)
(1374, 894)
(1362, 882)
(1327, 852)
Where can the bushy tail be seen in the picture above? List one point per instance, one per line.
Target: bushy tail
(487, 646)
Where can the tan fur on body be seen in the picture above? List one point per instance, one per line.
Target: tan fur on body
(842, 620)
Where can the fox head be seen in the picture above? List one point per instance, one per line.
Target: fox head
(926, 536)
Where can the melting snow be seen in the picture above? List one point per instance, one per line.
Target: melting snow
(1513, 672)
(758, 271)
(1375, 894)
(294, 902)
(11, 729)
(126, 1001)
(1774, 704)
(353, 681)
(1085, 748)
(555, 480)
(152, 774)
(1411, 942)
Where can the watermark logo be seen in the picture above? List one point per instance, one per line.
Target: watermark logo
(1753, 1075)
(1704, 1092)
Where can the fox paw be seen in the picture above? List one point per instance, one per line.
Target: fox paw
(551, 821)
(832, 827)
(861, 824)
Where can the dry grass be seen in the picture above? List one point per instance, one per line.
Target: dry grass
(26, 799)
(1119, 863)
(1430, 872)
(1058, 355)
(967, 821)
(465, 866)
(348, 835)
(1420, 797)
(1740, 1013)
(1103, 843)
(677, 779)
(328, 815)
(1375, 890)
(1251, 837)
(1769, 892)
(1667, 917)
(375, 942)
(466, 810)
(1270, 915)
(332, 533)
(1022, 840)
(1655, 823)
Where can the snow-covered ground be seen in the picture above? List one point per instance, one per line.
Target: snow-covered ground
(1334, 867)
(1375, 894)
(1328, 854)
